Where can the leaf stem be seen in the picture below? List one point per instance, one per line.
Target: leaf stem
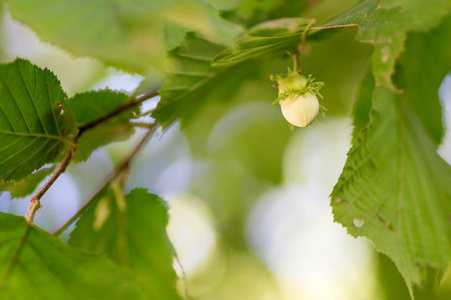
(35, 203)
(301, 48)
(120, 168)
(304, 33)
(141, 124)
(295, 61)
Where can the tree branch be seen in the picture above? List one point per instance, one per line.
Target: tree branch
(35, 203)
(120, 168)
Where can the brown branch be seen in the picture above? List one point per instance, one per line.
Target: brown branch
(120, 168)
(33, 208)
(120, 109)
(35, 203)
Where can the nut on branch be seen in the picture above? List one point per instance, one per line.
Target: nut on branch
(298, 98)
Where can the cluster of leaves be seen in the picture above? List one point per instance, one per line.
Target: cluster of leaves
(38, 124)
(394, 188)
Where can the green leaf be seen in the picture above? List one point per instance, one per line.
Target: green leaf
(355, 15)
(2, 31)
(125, 34)
(224, 4)
(247, 7)
(258, 11)
(387, 28)
(395, 146)
(362, 106)
(91, 106)
(100, 136)
(131, 230)
(27, 185)
(35, 265)
(379, 26)
(421, 15)
(392, 284)
(384, 29)
(189, 81)
(425, 63)
(395, 190)
(266, 38)
(32, 130)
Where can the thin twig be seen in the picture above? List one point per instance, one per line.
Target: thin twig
(295, 61)
(120, 109)
(304, 34)
(33, 208)
(35, 203)
(141, 124)
(106, 182)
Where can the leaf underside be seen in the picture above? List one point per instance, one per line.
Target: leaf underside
(353, 16)
(395, 183)
(32, 131)
(395, 188)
